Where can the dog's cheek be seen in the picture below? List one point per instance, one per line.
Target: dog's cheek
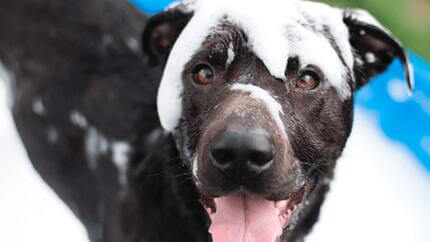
(192, 122)
(319, 131)
(304, 148)
(188, 132)
(334, 122)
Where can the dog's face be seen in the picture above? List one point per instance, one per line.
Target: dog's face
(261, 105)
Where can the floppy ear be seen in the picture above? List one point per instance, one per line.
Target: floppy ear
(375, 48)
(161, 32)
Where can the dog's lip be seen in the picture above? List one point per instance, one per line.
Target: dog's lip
(288, 207)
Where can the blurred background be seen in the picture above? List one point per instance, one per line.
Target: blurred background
(382, 186)
(409, 20)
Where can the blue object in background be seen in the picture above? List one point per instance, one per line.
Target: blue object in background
(151, 6)
(402, 118)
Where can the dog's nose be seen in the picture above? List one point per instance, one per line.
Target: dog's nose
(242, 151)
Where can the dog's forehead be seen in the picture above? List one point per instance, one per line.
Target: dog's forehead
(276, 30)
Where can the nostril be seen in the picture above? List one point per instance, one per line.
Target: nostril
(260, 158)
(222, 158)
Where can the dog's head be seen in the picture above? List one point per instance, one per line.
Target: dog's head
(259, 98)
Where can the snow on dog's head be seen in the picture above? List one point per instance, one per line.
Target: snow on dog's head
(276, 30)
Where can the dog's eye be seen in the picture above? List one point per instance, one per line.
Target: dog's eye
(203, 74)
(308, 80)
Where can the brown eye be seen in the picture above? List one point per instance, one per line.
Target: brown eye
(308, 81)
(203, 74)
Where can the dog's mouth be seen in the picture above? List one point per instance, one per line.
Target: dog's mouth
(241, 217)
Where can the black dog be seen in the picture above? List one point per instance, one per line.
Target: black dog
(255, 106)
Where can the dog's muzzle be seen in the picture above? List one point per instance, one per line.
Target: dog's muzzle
(243, 160)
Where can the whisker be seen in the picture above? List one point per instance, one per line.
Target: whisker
(314, 167)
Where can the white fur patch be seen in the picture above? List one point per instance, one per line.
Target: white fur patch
(276, 31)
(272, 105)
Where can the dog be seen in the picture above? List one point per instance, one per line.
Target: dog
(221, 122)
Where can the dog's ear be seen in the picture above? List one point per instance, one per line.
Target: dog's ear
(161, 32)
(374, 47)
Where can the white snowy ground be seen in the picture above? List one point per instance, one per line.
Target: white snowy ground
(380, 193)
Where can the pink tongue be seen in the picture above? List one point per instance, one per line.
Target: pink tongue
(241, 218)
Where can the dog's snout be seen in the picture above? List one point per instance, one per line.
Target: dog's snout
(242, 151)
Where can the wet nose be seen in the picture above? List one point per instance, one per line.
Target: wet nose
(242, 151)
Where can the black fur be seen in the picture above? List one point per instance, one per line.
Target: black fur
(367, 38)
(160, 34)
(76, 56)
(82, 56)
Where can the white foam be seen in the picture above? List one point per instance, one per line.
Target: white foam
(78, 119)
(230, 55)
(370, 57)
(154, 136)
(184, 5)
(52, 135)
(275, 30)
(38, 107)
(133, 44)
(365, 17)
(272, 105)
(7, 78)
(120, 157)
(96, 144)
(359, 61)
